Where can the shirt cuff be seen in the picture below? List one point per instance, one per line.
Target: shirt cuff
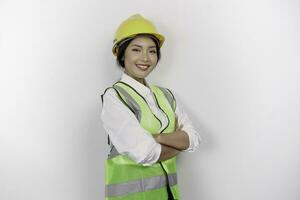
(194, 139)
(153, 155)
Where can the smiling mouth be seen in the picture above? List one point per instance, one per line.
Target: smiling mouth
(143, 67)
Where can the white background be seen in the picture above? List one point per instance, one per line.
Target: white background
(234, 65)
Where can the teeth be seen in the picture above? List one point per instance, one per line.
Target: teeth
(142, 66)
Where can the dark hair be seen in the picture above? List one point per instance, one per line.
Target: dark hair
(122, 47)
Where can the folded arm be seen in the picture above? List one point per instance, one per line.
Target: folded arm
(167, 152)
(178, 140)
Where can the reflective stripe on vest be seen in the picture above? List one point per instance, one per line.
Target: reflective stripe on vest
(169, 97)
(131, 102)
(155, 182)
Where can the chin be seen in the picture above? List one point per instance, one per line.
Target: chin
(144, 75)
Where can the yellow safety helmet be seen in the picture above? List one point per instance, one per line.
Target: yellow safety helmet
(133, 26)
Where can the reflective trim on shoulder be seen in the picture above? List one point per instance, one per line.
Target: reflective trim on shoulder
(142, 185)
(119, 96)
(121, 99)
(169, 96)
(130, 102)
(173, 98)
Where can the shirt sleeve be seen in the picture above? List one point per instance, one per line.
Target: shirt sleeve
(183, 119)
(125, 132)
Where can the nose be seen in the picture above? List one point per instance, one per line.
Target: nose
(145, 56)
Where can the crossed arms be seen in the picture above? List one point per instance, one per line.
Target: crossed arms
(172, 143)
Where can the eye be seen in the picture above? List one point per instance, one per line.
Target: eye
(136, 50)
(153, 51)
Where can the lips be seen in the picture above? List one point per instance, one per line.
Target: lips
(142, 67)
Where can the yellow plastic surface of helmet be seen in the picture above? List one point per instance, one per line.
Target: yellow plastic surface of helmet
(133, 26)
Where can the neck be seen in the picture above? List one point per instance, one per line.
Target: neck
(140, 80)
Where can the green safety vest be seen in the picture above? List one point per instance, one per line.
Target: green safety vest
(124, 178)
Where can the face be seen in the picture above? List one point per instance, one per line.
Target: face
(140, 58)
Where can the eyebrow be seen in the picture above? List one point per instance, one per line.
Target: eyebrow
(141, 46)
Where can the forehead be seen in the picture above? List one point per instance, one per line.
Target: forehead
(142, 41)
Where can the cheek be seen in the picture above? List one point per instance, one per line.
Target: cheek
(129, 63)
(154, 58)
(130, 57)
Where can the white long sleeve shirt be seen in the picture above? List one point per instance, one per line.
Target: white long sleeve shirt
(127, 135)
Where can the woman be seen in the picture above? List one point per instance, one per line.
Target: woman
(146, 128)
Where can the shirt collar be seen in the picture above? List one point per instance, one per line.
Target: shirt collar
(140, 88)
